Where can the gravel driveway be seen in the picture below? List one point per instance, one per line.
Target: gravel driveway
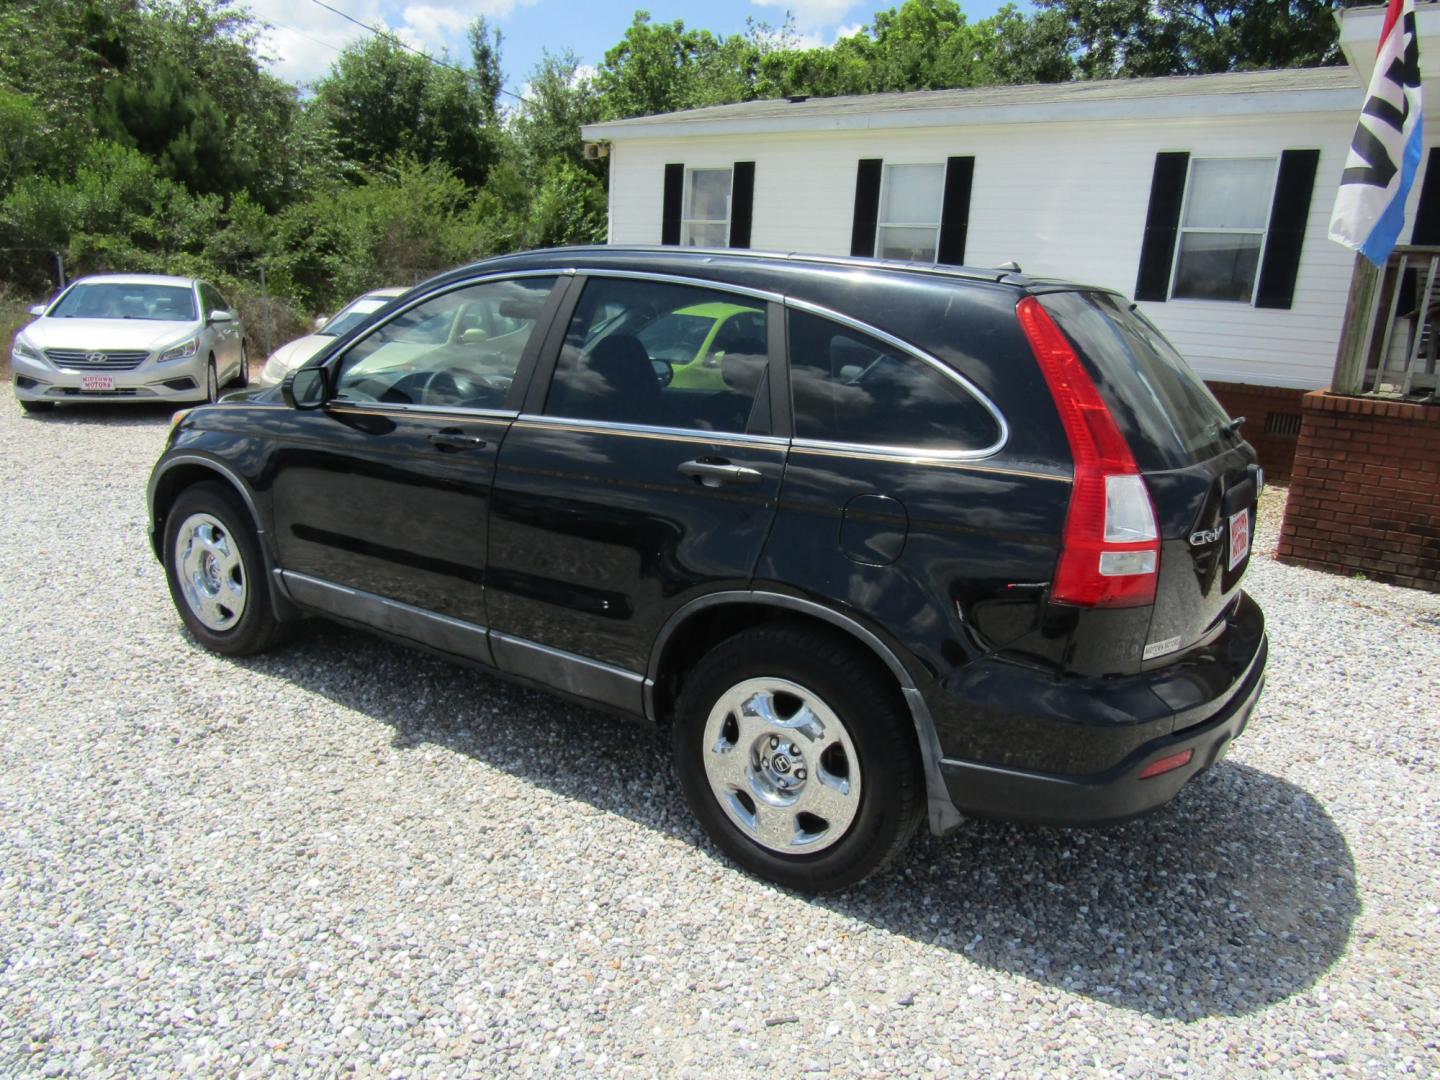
(346, 858)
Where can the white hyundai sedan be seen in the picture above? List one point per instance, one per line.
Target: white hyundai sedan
(293, 354)
(129, 337)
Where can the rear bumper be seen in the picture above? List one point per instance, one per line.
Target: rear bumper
(1116, 793)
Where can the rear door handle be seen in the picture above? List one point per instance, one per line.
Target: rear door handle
(457, 440)
(716, 473)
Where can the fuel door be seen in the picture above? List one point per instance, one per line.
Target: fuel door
(873, 529)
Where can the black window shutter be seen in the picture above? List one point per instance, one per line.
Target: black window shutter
(1426, 231)
(1427, 215)
(674, 194)
(1288, 214)
(742, 203)
(867, 206)
(955, 210)
(1162, 221)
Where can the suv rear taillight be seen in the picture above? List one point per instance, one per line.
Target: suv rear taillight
(1110, 553)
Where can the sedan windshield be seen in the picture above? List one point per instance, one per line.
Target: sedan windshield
(161, 303)
(351, 317)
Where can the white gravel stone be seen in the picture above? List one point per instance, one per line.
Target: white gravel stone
(344, 858)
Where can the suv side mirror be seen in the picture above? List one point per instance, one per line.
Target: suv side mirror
(38, 310)
(304, 389)
(221, 316)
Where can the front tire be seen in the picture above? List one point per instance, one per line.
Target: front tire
(212, 382)
(796, 755)
(242, 377)
(216, 573)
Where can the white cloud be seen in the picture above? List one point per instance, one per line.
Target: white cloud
(848, 30)
(811, 15)
(433, 25)
(305, 38)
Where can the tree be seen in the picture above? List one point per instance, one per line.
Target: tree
(381, 101)
(558, 102)
(1129, 38)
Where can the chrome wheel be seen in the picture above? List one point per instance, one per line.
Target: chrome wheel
(210, 571)
(782, 766)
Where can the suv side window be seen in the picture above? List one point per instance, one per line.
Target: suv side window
(848, 387)
(459, 349)
(650, 353)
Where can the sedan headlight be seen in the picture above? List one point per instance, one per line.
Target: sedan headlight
(183, 351)
(275, 369)
(28, 351)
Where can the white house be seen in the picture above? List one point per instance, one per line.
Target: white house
(1206, 198)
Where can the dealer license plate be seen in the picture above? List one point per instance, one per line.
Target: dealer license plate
(97, 382)
(1239, 537)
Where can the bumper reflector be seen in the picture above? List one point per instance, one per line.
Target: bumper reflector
(1167, 764)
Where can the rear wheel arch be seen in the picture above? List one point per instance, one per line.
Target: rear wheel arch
(706, 621)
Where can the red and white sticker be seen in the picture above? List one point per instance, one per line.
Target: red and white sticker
(97, 382)
(1239, 537)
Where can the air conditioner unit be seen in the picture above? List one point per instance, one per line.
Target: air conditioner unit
(594, 151)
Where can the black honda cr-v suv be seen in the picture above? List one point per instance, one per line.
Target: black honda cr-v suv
(871, 541)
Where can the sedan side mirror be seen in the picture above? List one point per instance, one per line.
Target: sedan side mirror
(304, 389)
(38, 310)
(321, 320)
(221, 316)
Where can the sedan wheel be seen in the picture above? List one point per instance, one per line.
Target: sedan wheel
(212, 382)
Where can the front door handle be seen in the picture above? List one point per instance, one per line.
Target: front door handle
(457, 440)
(714, 473)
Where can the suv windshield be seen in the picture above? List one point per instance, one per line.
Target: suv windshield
(1168, 414)
(161, 303)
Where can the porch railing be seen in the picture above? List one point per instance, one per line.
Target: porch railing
(1391, 335)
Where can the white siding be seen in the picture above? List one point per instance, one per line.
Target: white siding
(1061, 199)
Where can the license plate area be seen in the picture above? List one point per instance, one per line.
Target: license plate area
(97, 382)
(1239, 537)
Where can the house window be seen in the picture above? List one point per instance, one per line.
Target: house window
(1222, 228)
(706, 222)
(910, 200)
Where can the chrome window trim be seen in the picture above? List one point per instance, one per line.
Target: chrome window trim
(356, 405)
(916, 453)
(609, 427)
(675, 279)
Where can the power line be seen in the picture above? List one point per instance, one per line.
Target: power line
(307, 37)
(410, 48)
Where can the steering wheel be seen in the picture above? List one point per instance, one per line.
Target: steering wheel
(436, 388)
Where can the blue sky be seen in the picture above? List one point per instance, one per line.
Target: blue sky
(306, 37)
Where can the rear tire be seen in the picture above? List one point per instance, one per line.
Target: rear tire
(796, 755)
(35, 406)
(216, 572)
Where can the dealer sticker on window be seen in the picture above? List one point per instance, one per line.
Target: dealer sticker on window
(1239, 537)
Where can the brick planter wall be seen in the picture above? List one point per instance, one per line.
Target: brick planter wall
(1272, 421)
(1365, 490)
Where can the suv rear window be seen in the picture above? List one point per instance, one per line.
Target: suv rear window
(1168, 415)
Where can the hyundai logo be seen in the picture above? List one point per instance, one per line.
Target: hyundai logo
(96, 358)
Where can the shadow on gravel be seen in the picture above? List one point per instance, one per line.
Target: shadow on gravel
(119, 415)
(1239, 894)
